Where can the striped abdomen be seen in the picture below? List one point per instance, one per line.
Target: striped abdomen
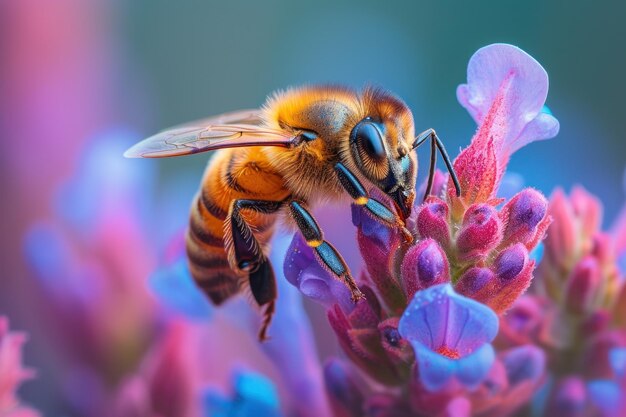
(232, 174)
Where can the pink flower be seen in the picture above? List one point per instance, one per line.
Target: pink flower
(12, 372)
(505, 94)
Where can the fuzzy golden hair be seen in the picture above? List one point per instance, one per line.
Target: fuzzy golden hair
(331, 112)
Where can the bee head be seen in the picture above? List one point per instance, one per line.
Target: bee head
(382, 156)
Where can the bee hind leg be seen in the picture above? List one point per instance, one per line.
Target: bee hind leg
(249, 257)
(325, 252)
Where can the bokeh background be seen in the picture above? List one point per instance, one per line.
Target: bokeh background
(74, 70)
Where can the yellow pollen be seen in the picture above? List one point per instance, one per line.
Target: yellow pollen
(314, 243)
(361, 201)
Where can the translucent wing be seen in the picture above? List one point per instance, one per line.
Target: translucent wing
(239, 117)
(230, 130)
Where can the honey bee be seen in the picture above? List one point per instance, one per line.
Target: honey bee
(304, 146)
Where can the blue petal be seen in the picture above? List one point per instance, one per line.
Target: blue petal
(617, 358)
(621, 262)
(256, 388)
(254, 395)
(606, 396)
(438, 317)
(303, 270)
(434, 370)
(175, 287)
(473, 368)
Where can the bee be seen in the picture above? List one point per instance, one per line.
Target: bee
(304, 146)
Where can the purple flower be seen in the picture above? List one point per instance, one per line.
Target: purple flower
(303, 270)
(451, 337)
(505, 94)
(504, 73)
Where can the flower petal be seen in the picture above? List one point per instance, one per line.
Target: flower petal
(435, 370)
(303, 271)
(438, 320)
(502, 70)
(473, 368)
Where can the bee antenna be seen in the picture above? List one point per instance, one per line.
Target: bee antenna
(436, 144)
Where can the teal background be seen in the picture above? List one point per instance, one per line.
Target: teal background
(201, 58)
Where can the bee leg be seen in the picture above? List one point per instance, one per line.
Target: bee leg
(249, 257)
(436, 143)
(361, 198)
(329, 256)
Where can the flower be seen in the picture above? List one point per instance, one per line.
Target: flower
(450, 335)
(12, 372)
(574, 311)
(505, 94)
(252, 394)
(431, 308)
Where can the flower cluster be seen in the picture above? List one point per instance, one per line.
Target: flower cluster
(430, 313)
(576, 311)
(457, 318)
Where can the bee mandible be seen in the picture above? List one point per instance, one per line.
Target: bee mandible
(304, 146)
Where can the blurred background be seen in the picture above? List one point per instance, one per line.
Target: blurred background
(82, 72)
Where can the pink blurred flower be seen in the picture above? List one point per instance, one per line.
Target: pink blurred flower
(12, 372)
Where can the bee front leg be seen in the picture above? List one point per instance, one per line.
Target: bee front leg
(324, 250)
(361, 197)
(249, 257)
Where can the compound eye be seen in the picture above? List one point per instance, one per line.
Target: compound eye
(368, 139)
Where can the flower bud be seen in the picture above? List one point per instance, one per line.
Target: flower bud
(522, 216)
(398, 349)
(582, 285)
(560, 243)
(568, 398)
(514, 272)
(596, 358)
(510, 262)
(588, 209)
(477, 283)
(602, 247)
(481, 232)
(432, 222)
(378, 244)
(524, 363)
(424, 265)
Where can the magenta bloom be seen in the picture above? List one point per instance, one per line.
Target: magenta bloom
(12, 372)
(450, 335)
(506, 84)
